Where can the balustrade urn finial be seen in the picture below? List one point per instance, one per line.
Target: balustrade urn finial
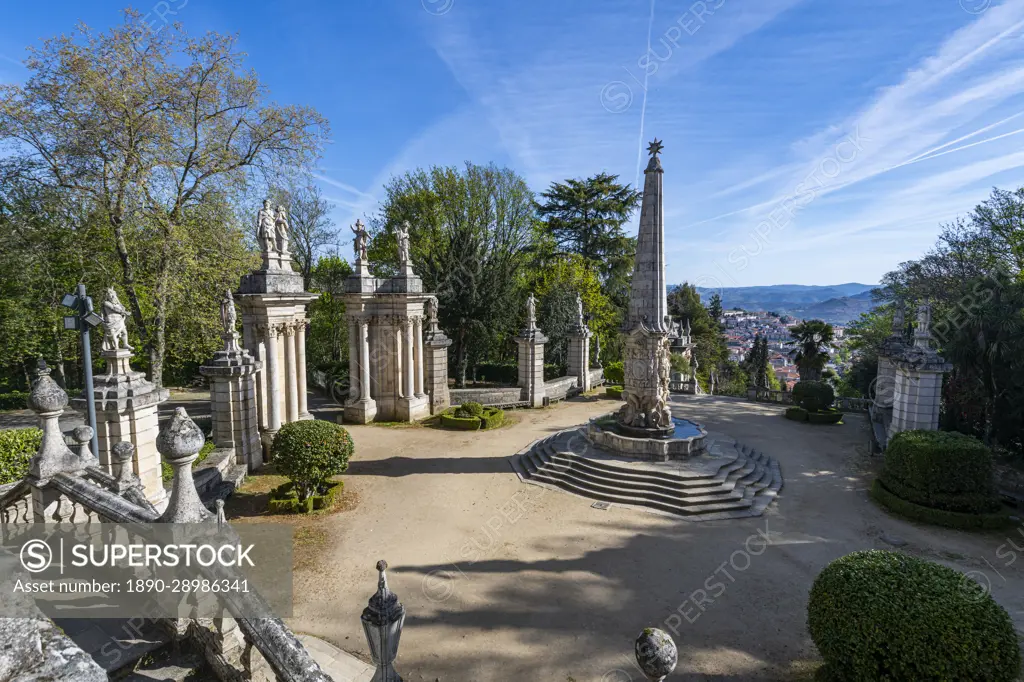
(123, 452)
(83, 436)
(180, 443)
(48, 400)
(382, 621)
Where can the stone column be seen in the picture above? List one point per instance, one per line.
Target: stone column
(232, 375)
(364, 360)
(354, 365)
(409, 368)
(531, 366)
(291, 389)
(579, 356)
(300, 365)
(437, 369)
(362, 409)
(273, 382)
(418, 333)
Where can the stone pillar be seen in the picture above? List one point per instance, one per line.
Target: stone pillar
(126, 410)
(232, 375)
(409, 368)
(354, 366)
(273, 383)
(364, 408)
(436, 362)
(579, 356)
(291, 373)
(418, 334)
(917, 393)
(300, 365)
(531, 366)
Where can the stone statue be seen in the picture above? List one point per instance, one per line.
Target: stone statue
(531, 312)
(897, 320)
(114, 316)
(579, 310)
(923, 332)
(228, 316)
(359, 242)
(431, 306)
(265, 229)
(402, 236)
(281, 229)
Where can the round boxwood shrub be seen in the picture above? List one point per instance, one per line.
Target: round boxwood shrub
(878, 615)
(613, 392)
(813, 396)
(471, 409)
(310, 452)
(613, 373)
(941, 469)
(797, 414)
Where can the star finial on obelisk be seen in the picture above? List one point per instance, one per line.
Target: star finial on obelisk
(655, 147)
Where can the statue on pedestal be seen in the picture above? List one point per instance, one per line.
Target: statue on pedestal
(281, 230)
(114, 316)
(359, 242)
(265, 229)
(431, 306)
(531, 312)
(402, 237)
(579, 311)
(228, 316)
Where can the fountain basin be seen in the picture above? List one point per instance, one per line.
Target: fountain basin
(686, 439)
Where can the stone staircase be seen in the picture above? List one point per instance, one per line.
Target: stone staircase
(730, 481)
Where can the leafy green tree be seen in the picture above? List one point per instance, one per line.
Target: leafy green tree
(812, 339)
(141, 126)
(710, 350)
(586, 217)
(470, 233)
(715, 307)
(328, 328)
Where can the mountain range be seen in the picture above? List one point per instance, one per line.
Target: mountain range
(838, 303)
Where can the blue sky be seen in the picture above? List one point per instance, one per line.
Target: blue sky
(806, 141)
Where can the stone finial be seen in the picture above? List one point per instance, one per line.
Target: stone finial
(382, 621)
(898, 320)
(48, 401)
(83, 437)
(179, 443)
(656, 654)
(123, 452)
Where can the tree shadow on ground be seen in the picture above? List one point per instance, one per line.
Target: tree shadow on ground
(408, 466)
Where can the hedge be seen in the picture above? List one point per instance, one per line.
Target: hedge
(941, 469)
(813, 396)
(938, 517)
(457, 418)
(497, 372)
(797, 414)
(468, 410)
(830, 416)
(15, 400)
(284, 499)
(492, 418)
(17, 446)
(310, 452)
(613, 392)
(882, 615)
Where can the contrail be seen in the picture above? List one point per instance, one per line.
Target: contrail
(643, 106)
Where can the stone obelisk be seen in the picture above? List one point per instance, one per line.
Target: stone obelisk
(647, 366)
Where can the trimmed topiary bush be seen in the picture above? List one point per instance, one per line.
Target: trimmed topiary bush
(797, 414)
(459, 418)
(310, 452)
(829, 416)
(284, 499)
(17, 446)
(941, 469)
(492, 418)
(939, 517)
(879, 615)
(813, 396)
(469, 410)
(613, 392)
(614, 374)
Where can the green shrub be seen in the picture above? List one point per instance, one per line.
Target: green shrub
(16, 449)
(941, 469)
(497, 372)
(310, 452)
(614, 374)
(167, 471)
(15, 400)
(830, 416)
(613, 392)
(938, 517)
(492, 418)
(284, 499)
(878, 615)
(466, 410)
(797, 414)
(813, 396)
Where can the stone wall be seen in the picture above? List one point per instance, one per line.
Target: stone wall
(560, 388)
(501, 395)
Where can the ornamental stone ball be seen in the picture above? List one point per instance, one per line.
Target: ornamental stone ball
(181, 439)
(82, 434)
(123, 451)
(46, 395)
(656, 653)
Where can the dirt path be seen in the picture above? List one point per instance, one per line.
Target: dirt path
(506, 581)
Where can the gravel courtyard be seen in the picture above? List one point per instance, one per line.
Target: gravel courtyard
(507, 581)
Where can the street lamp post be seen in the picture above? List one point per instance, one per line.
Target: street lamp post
(84, 320)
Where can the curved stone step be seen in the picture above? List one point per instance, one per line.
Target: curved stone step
(647, 491)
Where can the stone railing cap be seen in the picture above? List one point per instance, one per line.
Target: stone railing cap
(181, 438)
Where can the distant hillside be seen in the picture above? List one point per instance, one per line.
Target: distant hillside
(839, 303)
